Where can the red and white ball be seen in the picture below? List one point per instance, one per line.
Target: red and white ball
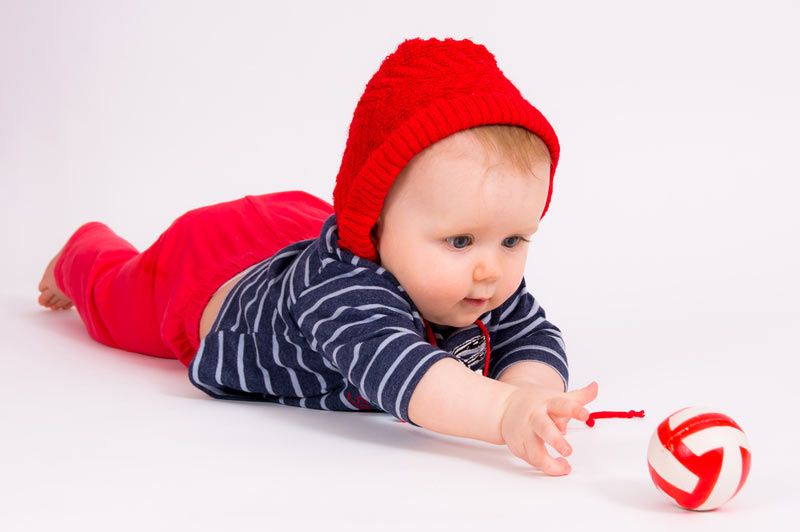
(699, 458)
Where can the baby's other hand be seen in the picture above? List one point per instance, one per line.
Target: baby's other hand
(536, 415)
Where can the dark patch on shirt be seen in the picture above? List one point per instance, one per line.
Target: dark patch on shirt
(472, 353)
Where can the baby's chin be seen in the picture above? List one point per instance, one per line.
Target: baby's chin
(465, 319)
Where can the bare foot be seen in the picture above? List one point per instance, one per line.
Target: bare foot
(51, 297)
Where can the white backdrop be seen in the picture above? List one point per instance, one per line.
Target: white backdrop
(669, 256)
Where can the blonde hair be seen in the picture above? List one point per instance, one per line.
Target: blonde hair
(513, 143)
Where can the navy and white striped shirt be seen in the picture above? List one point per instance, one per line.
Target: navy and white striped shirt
(316, 326)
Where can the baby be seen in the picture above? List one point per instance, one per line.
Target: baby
(406, 296)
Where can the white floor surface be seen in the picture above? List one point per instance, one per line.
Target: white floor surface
(669, 257)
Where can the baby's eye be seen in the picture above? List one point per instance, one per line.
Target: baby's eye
(454, 240)
(514, 239)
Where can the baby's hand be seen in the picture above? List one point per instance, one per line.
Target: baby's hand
(534, 415)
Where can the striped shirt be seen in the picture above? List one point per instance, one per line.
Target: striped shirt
(316, 326)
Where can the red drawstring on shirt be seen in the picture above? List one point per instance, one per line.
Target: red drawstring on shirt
(607, 414)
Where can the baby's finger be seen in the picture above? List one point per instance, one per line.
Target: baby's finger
(541, 459)
(565, 407)
(561, 423)
(586, 394)
(547, 430)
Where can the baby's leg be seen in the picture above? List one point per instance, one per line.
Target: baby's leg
(111, 285)
(151, 302)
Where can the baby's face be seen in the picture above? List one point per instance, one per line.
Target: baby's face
(451, 224)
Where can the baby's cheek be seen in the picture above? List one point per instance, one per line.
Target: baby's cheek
(438, 280)
(448, 291)
(439, 276)
(429, 290)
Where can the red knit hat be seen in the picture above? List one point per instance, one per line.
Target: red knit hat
(423, 92)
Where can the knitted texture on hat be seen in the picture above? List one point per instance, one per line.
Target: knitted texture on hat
(423, 92)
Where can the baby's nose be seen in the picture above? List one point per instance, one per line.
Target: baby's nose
(487, 269)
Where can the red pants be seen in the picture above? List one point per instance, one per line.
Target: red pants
(151, 302)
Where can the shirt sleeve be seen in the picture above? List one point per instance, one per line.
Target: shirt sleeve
(522, 332)
(359, 322)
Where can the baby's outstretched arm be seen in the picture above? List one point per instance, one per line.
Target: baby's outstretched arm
(452, 399)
